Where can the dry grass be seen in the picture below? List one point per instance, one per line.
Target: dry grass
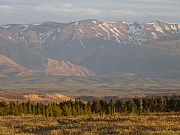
(153, 124)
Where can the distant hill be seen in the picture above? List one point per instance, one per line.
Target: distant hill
(33, 97)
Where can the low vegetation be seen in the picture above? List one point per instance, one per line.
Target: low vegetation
(151, 124)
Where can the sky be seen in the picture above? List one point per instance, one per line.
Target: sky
(34, 11)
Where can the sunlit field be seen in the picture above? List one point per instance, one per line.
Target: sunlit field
(151, 124)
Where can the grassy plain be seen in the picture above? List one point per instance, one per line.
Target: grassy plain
(151, 124)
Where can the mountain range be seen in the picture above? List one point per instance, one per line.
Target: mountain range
(89, 47)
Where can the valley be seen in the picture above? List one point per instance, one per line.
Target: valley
(130, 85)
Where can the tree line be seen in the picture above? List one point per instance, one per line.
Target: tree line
(97, 106)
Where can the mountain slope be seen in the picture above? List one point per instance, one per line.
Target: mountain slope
(66, 68)
(9, 68)
(147, 58)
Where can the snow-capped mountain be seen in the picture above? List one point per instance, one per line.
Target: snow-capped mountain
(103, 47)
(120, 32)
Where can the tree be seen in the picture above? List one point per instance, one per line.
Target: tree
(160, 104)
(146, 105)
(3, 108)
(119, 106)
(139, 105)
(29, 107)
(103, 105)
(57, 112)
(88, 108)
(153, 104)
(131, 106)
(96, 107)
(111, 107)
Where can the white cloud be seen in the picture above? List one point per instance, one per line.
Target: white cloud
(66, 11)
(5, 8)
(126, 13)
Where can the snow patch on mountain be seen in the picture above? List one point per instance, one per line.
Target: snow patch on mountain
(81, 30)
(117, 30)
(22, 38)
(93, 28)
(82, 44)
(44, 36)
(37, 24)
(75, 23)
(103, 28)
(6, 26)
(137, 32)
(118, 40)
(95, 22)
(167, 28)
(101, 46)
(54, 37)
(157, 27)
(120, 32)
(173, 27)
(9, 37)
(125, 23)
(179, 26)
(59, 30)
(106, 25)
(112, 30)
(24, 27)
(154, 35)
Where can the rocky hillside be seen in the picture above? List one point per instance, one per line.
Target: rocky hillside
(9, 68)
(66, 68)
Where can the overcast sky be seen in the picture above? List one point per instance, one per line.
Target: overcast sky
(31, 11)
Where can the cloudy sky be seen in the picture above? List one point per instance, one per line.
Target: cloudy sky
(31, 11)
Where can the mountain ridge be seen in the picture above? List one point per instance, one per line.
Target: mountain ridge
(121, 32)
(93, 46)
